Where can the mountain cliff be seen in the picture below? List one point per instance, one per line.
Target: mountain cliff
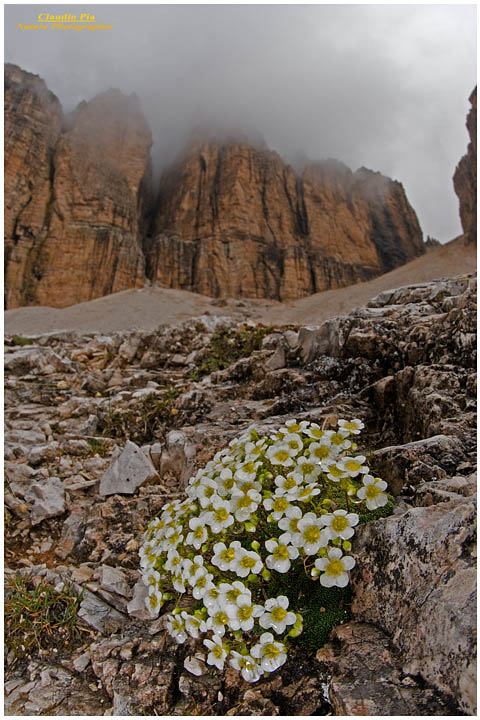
(230, 218)
(75, 187)
(465, 178)
(234, 220)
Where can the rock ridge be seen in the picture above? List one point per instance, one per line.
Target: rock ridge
(465, 177)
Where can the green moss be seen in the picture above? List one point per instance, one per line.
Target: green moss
(39, 617)
(142, 421)
(98, 447)
(228, 346)
(18, 340)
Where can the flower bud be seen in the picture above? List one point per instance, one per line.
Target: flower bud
(266, 574)
(337, 541)
(250, 527)
(327, 502)
(255, 545)
(252, 578)
(270, 518)
(347, 546)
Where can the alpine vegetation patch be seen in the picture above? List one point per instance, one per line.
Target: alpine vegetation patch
(257, 553)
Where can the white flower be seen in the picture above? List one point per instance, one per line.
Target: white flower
(293, 427)
(233, 593)
(191, 569)
(176, 628)
(224, 557)
(276, 615)
(251, 672)
(202, 581)
(290, 521)
(334, 567)
(247, 562)
(281, 554)
(217, 653)
(243, 614)
(310, 536)
(372, 492)
(280, 454)
(288, 484)
(334, 472)
(219, 517)
(338, 440)
(254, 449)
(352, 427)
(306, 493)
(192, 624)
(174, 561)
(322, 450)
(307, 469)
(294, 442)
(218, 618)
(247, 471)
(353, 466)
(226, 482)
(154, 601)
(271, 653)
(211, 596)
(206, 491)
(314, 431)
(340, 524)
(178, 582)
(244, 504)
(278, 505)
(198, 535)
(173, 538)
(151, 578)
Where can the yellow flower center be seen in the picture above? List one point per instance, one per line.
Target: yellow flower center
(233, 594)
(293, 428)
(249, 467)
(271, 650)
(316, 432)
(280, 504)
(337, 439)
(208, 492)
(335, 567)
(281, 456)
(311, 534)
(248, 562)
(339, 523)
(153, 601)
(221, 618)
(293, 526)
(294, 444)
(352, 465)
(220, 514)
(281, 552)
(217, 651)
(201, 581)
(307, 468)
(228, 483)
(245, 612)
(228, 554)
(335, 471)
(350, 425)
(244, 502)
(372, 492)
(279, 614)
(321, 452)
(198, 533)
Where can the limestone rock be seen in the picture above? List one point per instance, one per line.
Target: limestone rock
(233, 220)
(48, 499)
(416, 580)
(90, 184)
(465, 178)
(130, 469)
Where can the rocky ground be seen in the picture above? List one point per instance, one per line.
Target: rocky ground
(102, 429)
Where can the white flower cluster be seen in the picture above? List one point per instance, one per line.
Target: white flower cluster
(282, 490)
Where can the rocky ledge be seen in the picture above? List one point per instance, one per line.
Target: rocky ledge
(101, 430)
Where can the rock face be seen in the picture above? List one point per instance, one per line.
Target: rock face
(75, 192)
(234, 220)
(465, 178)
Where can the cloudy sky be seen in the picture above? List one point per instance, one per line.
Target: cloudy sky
(384, 86)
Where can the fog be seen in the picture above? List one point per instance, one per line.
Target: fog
(380, 86)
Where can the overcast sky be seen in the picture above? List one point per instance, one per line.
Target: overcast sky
(382, 86)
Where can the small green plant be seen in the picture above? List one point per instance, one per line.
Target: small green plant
(258, 551)
(142, 421)
(228, 346)
(18, 340)
(37, 616)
